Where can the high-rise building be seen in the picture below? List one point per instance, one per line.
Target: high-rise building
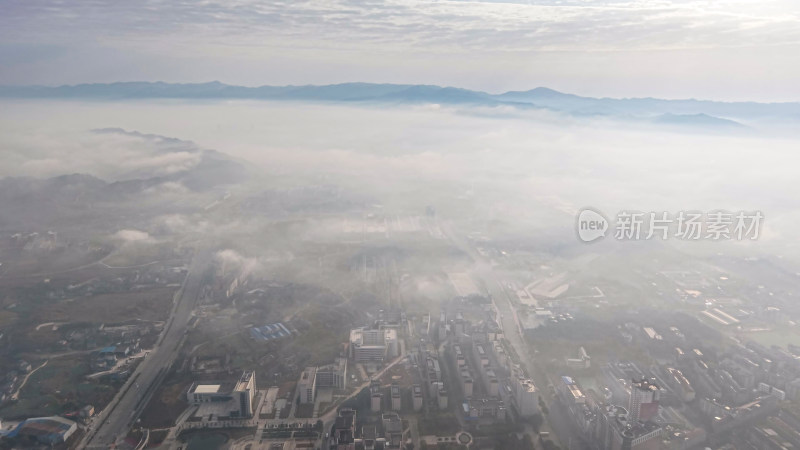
(526, 396)
(245, 391)
(466, 382)
(643, 402)
(333, 375)
(306, 387)
(396, 398)
(441, 396)
(416, 395)
(376, 397)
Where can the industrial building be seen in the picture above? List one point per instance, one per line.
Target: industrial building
(46, 430)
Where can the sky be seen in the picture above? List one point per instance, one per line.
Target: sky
(710, 49)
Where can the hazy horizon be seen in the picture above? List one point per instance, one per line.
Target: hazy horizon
(670, 49)
(400, 224)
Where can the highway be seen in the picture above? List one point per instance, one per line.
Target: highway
(114, 421)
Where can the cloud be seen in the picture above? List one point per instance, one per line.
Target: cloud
(452, 42)
(233, 260)
(541, 25)
(45, 151)
(131, 235)
(526, 170)
(168, 188)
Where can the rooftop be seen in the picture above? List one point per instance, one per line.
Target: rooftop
(206, 389)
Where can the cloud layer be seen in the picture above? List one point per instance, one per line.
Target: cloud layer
(691, 45)
(496, 165)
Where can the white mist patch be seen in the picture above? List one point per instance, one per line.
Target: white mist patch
(131, 235)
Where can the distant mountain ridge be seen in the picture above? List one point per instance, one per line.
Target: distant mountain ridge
(656, 110)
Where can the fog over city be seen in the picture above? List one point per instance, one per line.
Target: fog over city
(399, 225)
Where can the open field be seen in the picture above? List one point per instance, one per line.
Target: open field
(167, 404)
(152, 304)
(57, 388)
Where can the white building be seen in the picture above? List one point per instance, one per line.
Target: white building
(240, 395)
(373, 344)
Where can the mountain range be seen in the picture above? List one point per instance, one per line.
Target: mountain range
(673, 112)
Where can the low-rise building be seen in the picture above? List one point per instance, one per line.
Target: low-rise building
(45, 430)
(570, 392)
(343, 432)
(239, 395)
(681, 385)
(392, 429)
(583, 361)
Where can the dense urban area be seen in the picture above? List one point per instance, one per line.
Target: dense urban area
(323, 317)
